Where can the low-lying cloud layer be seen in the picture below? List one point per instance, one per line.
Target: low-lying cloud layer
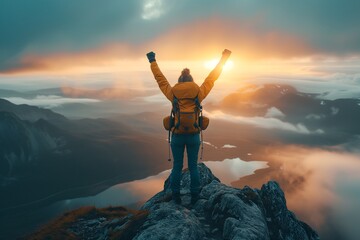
(264, 122)
(49, 101)
(315, 178)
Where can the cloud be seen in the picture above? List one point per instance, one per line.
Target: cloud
(152, 9)
(35, 34)
(207, 37)
(49, 101)
(157, 98)
(105, 57)
(244, 39)
(342, 77)
(267, 123)
(352, 146)
(113, 93)
(52, 26)
(316, 176)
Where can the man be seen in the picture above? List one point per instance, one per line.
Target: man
(184, 92)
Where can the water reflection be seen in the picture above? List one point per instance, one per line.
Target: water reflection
(231, 170)
(227, 171)
(322, 186)
(125, 194)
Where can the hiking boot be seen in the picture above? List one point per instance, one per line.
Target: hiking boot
(176, 198)
(194, 197)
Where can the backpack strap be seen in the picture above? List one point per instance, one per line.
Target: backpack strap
(169, 140)
(175, 109)
(199, 108)
(197, 103)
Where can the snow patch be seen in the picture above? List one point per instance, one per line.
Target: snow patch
(210, 144)
(314, 116)
(228, 146)
(274, 112)
(334, 110)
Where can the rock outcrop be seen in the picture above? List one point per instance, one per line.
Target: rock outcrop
(222, 212)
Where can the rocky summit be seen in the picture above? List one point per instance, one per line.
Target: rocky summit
(222, 212)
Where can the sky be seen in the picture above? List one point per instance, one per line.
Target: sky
(70, 36)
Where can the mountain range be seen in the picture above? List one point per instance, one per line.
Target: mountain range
(40, 146)
(43, 153)
(335, 121)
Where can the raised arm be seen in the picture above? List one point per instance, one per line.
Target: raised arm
(159, 76)
(208, 84)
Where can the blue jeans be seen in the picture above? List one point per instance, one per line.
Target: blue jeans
(178, 143)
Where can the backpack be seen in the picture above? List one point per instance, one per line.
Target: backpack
(185, 122)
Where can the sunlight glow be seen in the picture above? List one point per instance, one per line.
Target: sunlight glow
(212, 64)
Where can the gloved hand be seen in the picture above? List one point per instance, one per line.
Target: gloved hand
(226, 53)
(151, 56)
(225, 56)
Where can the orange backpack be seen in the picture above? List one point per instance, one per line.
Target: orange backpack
(185, 122)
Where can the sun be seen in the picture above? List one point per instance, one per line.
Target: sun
(212, 63)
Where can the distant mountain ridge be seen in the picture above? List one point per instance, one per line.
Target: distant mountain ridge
(285, 102)
(30, 113)
(44, 152)
(110, 93)
(23, 143)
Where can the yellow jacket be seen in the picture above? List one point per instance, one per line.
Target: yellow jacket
(185, 91)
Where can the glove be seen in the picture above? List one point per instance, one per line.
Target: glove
(151, 56)
(226, 53)
(225, 56)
